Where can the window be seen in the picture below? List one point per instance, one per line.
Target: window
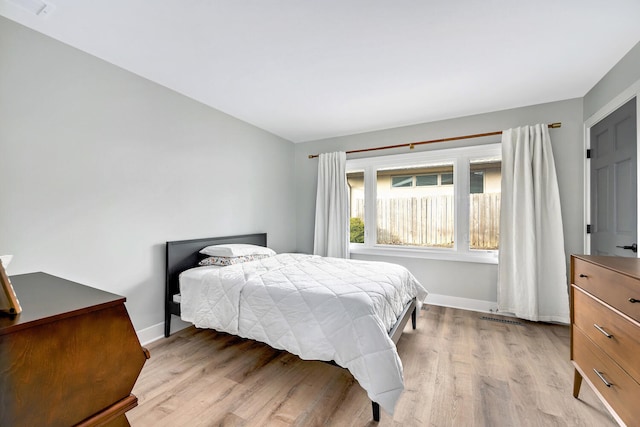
(401, 181)
(424, 180)
(476, 182)
(484, 206)
(355, 182)
(446, 179)
(441, 204)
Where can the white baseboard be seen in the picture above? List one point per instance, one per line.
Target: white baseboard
(152, 333)
(463, 303)
(155, 332)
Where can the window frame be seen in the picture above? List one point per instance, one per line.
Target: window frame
(461, 158)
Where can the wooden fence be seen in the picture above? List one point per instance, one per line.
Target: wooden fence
(484, 221)
(429, 220)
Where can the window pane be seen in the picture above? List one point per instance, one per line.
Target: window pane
(446, 179)
(422, 180)
(476, 182)
(355, 181)
(401, 181)
(484, 204)
(416, 216)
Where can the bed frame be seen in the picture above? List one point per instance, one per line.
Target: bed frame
(184, 254)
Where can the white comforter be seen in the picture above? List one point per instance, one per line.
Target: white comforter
(317, 308)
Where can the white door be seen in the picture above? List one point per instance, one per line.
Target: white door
(614, 226)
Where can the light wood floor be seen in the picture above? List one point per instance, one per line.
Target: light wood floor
(460, 370)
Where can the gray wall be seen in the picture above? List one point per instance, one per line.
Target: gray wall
(99, 167)
(460, 279)
(623, 75)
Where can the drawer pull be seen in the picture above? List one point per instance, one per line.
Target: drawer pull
(583, 275)
(605, 333)
(633, 300)
(604, 380)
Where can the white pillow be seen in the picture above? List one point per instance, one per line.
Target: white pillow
(237, 249)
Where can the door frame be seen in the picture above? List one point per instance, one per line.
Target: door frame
(610, 107)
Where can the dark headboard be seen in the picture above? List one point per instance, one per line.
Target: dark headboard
(184, 254)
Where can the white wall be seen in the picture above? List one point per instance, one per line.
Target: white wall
(460, 280)
(624, 74)
(99, 168)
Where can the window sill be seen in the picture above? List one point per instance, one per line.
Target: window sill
(482, 257)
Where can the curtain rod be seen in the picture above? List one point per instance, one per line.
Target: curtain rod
(411, 145)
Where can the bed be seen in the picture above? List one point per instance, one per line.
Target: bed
(345, 312)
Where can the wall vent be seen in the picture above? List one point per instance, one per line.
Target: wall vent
(495, 319)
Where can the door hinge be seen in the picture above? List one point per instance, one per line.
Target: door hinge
(588, 228)
(588, 153)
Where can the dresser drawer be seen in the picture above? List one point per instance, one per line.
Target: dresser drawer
(624, 393)
(610, 286)
(622, 342)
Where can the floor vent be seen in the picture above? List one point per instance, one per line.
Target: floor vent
(493, 319)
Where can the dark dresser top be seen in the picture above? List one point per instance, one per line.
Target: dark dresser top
(45, 298)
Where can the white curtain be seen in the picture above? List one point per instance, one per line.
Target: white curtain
(332, 207)
(532, 276)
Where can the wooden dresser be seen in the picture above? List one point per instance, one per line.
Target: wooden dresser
(70, 358)
(605, 331)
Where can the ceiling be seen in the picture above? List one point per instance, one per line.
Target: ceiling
(308, 70)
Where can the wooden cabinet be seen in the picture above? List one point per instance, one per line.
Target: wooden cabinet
(70, 358)
(605, 331)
